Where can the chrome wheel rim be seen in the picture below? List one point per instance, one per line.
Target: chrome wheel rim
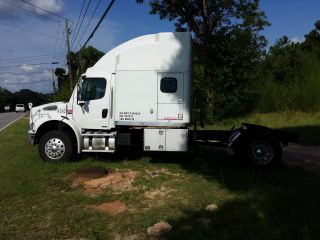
(261, 153)
(55, 148)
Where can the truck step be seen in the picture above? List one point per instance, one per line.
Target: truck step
(97, 134)
(100, 151)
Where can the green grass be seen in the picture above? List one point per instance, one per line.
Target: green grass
(37, 202)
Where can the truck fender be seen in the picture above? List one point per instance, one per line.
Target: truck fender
(57, 122)
(250, 131)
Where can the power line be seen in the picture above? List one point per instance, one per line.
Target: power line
(89, 22)
(98, 24)
(27, 57)
(83, 2)
(28, 61)
(61, 41)
(24, 48)
(55, 45)
(28, 11)
(84, 15)
(27, 30)
(45, 10)
(32, 64)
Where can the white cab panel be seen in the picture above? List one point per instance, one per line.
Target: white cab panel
(175, 140)
(170, 96)
(154, 140)
(89, 115)
(138, 66)
(136, 96)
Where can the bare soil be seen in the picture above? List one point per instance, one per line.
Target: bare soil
(118, 181)
(112, 208)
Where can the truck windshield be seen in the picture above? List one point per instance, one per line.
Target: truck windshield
(93, 89)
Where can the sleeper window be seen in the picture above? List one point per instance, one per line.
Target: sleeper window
(168, 85)
(93, 89)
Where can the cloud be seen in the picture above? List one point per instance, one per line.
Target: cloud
(50, 5)
(38, 79)
(297, 39)
(14, 9)
(28, 68)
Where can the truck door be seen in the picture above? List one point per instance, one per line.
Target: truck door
(170, 96)
(94, 110)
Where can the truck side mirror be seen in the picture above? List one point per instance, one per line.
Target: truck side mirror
(79, 101)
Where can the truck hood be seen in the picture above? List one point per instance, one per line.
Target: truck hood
(40, 113)
(50, 108)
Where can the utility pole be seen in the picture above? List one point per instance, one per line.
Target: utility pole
(68, 31)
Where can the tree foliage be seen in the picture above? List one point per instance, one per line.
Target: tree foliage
(24, 96)
(289, 77)
(79, 62)
(226, 42)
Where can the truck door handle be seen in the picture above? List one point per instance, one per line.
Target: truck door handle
(104, 113)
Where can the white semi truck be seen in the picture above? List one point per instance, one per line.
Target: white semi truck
(139, 93)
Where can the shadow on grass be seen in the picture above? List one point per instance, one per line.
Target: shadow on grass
(280, 203)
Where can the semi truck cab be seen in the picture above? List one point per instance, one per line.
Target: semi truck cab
(139, 93)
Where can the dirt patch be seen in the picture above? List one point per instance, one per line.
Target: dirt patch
(304, 157)
(118, 181)
(91, 172)
(112, 208)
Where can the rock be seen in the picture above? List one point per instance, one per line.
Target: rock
(204, 222)
(159, 229)
(211, 207)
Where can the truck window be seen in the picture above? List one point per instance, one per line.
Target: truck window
(168, 85)
(93, 89)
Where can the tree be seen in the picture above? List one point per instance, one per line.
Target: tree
(79, 62)
(290, 75)
(227, 42)
(60, 73)
(84, 59)
(6, 99)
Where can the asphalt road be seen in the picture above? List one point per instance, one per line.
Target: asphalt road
(8, 118)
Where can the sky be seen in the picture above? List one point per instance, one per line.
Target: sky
(32, 39)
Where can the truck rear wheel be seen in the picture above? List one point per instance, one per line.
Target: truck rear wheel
(260, 152)
(55, 146)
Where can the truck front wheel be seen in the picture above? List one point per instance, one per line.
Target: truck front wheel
(260, 152)
(55, 146)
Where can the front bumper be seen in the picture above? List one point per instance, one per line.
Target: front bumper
(31, 137)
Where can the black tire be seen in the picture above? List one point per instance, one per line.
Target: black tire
(260, 152)
(55, 146)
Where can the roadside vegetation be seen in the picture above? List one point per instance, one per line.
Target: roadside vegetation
(24, 96)
(41, 201)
